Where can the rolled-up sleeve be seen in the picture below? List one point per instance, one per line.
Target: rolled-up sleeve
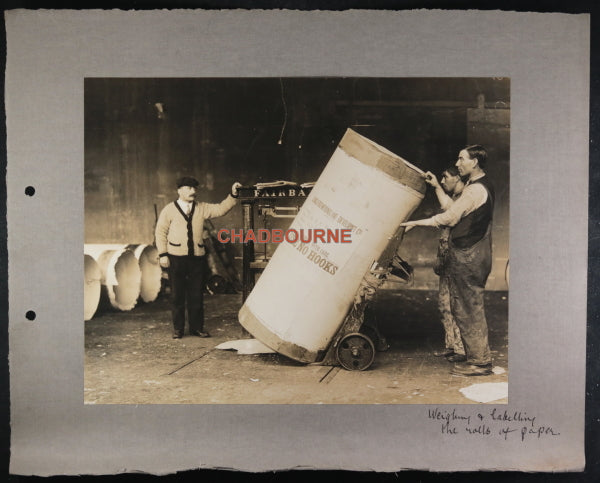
(472, 197)
(445, 200)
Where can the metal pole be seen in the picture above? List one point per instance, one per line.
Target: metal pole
(247, 250)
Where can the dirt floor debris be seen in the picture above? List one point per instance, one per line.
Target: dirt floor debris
(246, 346)
(190, 371)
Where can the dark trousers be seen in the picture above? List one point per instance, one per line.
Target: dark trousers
(468, 270)
(187, 276)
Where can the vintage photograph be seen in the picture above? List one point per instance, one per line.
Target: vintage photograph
(296, 240)
(311, 240)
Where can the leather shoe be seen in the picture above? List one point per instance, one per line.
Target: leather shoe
(443, 353)
(177, 335)
(457, 358)
(199, 333)
(471, 370)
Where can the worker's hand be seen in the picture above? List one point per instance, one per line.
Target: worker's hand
(408, 225)
(431, 179)
(164, 261)
(234, 189)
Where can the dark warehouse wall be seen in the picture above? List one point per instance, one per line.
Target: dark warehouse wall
(141, 134)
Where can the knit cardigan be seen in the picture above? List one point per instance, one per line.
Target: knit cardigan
(172, 226)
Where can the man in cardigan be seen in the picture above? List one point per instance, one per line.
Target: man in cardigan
(469, 257)
(180, 244)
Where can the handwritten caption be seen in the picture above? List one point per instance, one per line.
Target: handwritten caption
(494, 423)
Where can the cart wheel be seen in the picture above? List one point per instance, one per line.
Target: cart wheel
(355, 352)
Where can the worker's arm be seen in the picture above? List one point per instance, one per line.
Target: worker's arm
(214, 210)
(472, 197)
(445, 200)
(160, 234)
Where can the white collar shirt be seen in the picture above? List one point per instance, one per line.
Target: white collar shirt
(185, 206)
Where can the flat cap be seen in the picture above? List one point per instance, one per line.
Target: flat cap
(187, 181)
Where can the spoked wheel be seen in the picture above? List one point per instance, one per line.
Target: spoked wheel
(355, 352)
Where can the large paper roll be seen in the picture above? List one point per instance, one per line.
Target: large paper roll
(307, 289)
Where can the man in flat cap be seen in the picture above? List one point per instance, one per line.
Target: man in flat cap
(180, 244)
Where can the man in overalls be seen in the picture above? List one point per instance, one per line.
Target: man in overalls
(447, 191)
(469, 257)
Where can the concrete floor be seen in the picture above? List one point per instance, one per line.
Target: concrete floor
(130, 358)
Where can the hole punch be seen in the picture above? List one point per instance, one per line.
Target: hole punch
(30, 315)
(30, 191)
